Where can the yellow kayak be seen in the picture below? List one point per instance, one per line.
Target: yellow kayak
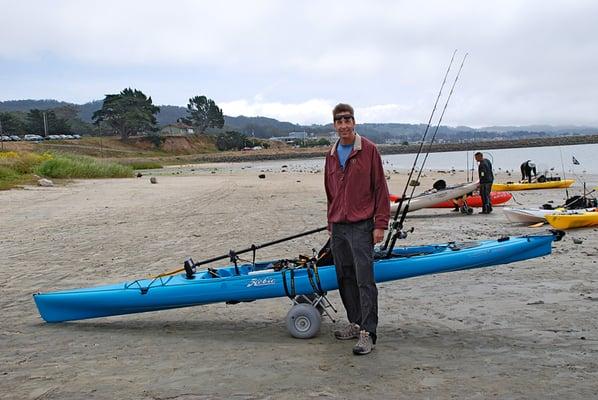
(570, 219)
(565, 183)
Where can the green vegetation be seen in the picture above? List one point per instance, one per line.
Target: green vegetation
(54, 124)
(82, 167)
(18, 168)
(128, 113)
(232, 140)
(9, 178)
(314, 142)
(142, 164)
(204, 114)
(13, 123)
(156, 139)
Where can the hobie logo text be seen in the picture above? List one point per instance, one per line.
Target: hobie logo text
(261, 282)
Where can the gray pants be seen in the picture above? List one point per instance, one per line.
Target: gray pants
(353, 251)
(485, 189)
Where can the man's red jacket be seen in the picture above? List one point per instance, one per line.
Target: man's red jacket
(359, 191)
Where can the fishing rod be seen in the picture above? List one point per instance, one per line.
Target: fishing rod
(190, 265)
(467, 165)
(421, 144)
(437, 126)
(396, 231)
(563, 167)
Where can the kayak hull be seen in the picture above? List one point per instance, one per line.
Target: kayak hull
(428, 199)
(260, 281)
(496, 198)
(562, 184)
(534, 215)
(526, 215)
(581, 219)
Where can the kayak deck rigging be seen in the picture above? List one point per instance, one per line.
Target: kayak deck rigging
(287, 267)
(305, 280)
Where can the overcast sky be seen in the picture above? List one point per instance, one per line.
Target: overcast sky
(530, 62)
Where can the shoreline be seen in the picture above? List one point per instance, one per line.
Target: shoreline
(297, 154)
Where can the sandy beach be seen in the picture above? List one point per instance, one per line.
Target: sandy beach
(523, 331)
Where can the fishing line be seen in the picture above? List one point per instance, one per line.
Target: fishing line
(563, 167)
(396, 231)
(421, 169)
(421, 145)
(467, 165)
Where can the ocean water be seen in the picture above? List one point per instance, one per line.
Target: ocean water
(549, 160)
(553, 160)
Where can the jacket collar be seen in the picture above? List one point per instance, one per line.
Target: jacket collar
(356, 144)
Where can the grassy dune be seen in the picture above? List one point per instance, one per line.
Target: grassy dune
(17, 167)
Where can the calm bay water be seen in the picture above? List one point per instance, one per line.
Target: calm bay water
(557, 158)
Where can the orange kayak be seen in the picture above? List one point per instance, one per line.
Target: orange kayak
(476, 200)
(472, 201)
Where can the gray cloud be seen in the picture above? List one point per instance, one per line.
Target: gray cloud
(530, 62)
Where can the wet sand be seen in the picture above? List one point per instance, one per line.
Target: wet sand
(523, 331)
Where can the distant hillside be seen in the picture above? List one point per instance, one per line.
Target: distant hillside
(264, 127)
(26, 105)
(554, 130)
(167, 115)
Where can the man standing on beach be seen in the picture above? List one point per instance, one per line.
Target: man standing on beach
(358, 214)
(486, 179)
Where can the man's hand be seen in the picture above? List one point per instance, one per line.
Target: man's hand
(378, 235)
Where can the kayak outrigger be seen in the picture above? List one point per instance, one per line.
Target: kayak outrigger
(304, 280)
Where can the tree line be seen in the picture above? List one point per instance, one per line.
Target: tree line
(132, 112)
(34, 122)
(126, 114)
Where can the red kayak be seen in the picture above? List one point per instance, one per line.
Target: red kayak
(476, 200)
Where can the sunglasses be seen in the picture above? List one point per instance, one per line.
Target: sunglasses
(343, 118)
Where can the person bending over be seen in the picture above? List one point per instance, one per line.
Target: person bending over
(527, 169)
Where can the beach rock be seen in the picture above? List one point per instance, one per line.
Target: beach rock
(262, 176)
(139, 174)
(577, 241)
(153, 179)
(533, 303)
(45, 182)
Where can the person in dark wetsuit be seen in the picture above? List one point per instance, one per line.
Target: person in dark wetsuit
(486, 179)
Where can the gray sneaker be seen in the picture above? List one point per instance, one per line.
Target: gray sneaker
(351, 331)
(364, 345)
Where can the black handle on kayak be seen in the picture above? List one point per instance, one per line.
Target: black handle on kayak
(259, 246)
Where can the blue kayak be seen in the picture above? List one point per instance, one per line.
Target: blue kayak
(262, 280)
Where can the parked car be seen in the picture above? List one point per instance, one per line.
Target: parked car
(5, 138)
(33, 137)
(15, 138)
(76, 136)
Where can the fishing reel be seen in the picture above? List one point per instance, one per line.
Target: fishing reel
(189, 266)
(401, 234)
